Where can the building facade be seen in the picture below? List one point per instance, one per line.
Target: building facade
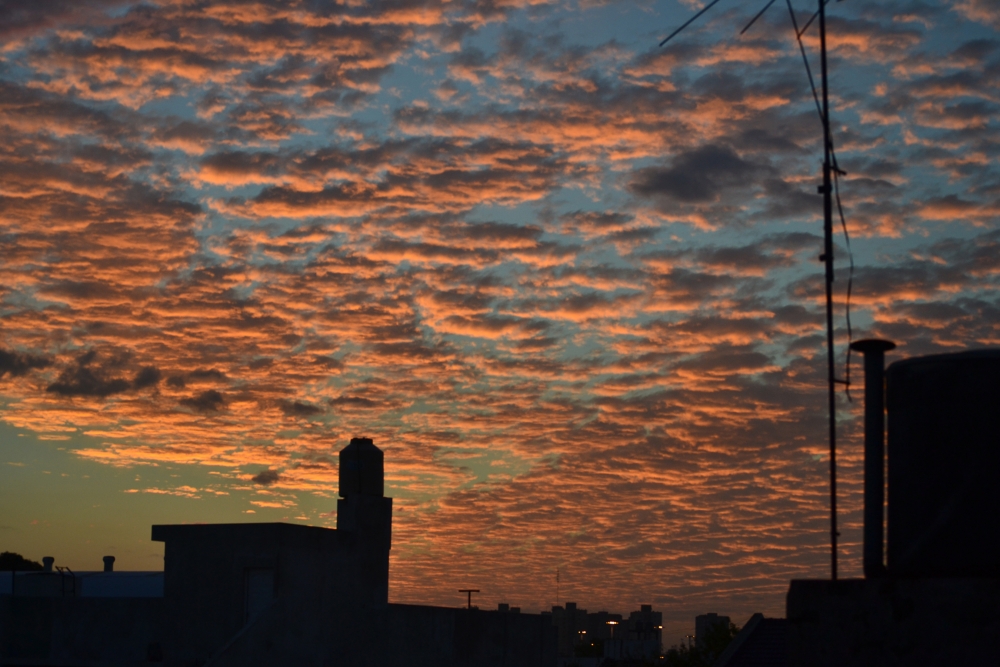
(243, 595)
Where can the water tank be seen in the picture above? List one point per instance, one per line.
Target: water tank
(944, 465)
(362, 469)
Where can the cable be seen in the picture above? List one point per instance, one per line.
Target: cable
(837, 172)
(689, 22)
(850, 278)
(809, 22)
(805, 60)
(757, 16)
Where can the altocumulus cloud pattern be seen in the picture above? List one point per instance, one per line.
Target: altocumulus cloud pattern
(566, 279)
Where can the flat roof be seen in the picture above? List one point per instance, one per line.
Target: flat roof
(210, 531)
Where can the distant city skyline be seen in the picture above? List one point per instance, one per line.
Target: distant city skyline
(564, 278)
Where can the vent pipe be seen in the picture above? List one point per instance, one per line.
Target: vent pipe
(874, 535)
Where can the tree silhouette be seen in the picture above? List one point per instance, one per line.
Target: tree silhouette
(704, 654)
(12, 561)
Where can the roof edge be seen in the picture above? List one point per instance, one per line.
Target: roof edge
(163, 532)
(738, 641)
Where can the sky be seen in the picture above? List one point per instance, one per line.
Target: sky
(566, 279)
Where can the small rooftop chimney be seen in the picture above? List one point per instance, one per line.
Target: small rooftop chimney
(874, 350)
(109, 563)
(47, 563)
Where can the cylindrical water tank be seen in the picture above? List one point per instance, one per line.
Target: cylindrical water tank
(944, 465)
(361, 469)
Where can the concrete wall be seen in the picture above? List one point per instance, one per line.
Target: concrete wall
(394, 636)
(323, 602)
(82, 584)
(59, 631)
(886, 621)
(477, 637)
(40, 584)
(120, 584)
(99, 631)
(206, 569)
(369, 520)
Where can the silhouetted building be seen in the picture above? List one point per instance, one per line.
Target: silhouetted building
(601, 625)
(571, 625)
(934, 597)
(763, 642)
(638, 638)
(704, 623)
(89, 584)
(262, 594)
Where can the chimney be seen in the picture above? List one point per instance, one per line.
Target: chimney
(874, 536)
(47, 563)
(109, 563)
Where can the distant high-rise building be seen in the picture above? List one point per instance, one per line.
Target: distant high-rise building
(703, 625)
(571, 623)
(638, 638)
(600, 625)
(645, 625)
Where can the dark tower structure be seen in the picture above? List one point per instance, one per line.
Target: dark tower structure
(365, 512)
(936, 597)
(944, 428)
(362, 469)
(944, 460)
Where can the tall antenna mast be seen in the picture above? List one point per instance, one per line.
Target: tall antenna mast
(828, 262)
(827, 257)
